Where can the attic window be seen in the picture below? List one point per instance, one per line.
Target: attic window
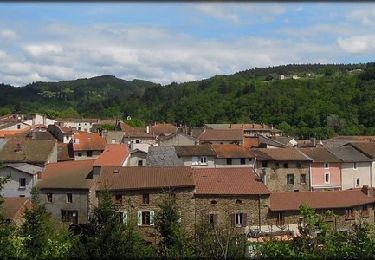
(213, 202)
(115, 171)
(238, 201)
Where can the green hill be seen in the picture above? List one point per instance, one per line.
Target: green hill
(322, 99)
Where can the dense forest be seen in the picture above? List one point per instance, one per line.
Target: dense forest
(313, 100)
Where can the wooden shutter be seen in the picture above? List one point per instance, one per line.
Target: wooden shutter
(152, 215)
(139, 218)
(233, 219)
(244, 219)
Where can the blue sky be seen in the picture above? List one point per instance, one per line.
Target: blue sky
(166, 42)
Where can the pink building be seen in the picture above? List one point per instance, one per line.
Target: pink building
(325, 169)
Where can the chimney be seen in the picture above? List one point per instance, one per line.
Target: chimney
(147, 129)
(313, 141)
(368, 191)
(272, 126)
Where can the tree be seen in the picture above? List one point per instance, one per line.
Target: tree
(336, 123)
(173, 242)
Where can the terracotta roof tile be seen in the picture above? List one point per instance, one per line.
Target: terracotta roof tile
(232, 151)
(283, 201)
(67, 175)
(250, 142)
(163, 129)
(221, 135)
(14, 207)
(10, 133)
(113, 155)
(84, 141)
(280, 154)
(228, 181)
(135, 178)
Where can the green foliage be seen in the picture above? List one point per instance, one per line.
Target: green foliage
(136, 123)
(5, 111)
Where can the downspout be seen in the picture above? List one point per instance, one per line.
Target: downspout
(310, 174)
(260, 216)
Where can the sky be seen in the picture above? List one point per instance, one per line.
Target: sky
(165, 42)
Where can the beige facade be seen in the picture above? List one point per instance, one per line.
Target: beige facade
(356, 174)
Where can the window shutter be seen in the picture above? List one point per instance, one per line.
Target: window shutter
(152, 214)
(244, 219)
(139, 218)
(233, 219)
(125, 217)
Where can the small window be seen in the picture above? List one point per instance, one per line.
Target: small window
(299, 165)
(113, 141)
(326, 165)
(22, 196)
(213, 202)
(229, 161)
(286, 165)
(18, 126)
(146, 198)
(303, 178)
(79, 154)
(22, 182)
(69, 198)
(49, 197)
(240, 219)
(277, 165)
(355, 166)
(290, 179)
(238, 201)
(243, 161)
(212, 219)
(145, 218)
(79, 128)
(357, 182)
(137, 141)
(349, 214)
(327, 178)
(89, 153)
(264, 164)
(118, 199)
(123, 216)
(140, 162)
(203, 160)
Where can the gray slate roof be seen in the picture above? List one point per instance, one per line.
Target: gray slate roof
(348, 154)
(25, 167)
(2, 143)
(163, 156)
(269, 141)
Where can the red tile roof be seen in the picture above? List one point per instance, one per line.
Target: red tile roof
(280, 154)
(9, 133)
(163, 129)
(84, 141)
(14, 207)
(136, 178)
(221, 135)
(228, 181)
(113, 155)
(284, 201)
(67, 175)
(232, 151)
(250, 142)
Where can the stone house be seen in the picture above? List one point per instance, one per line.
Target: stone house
(138, 157)
(325, 170)
(356, 167)
(348, 207)
(87, 146)
(23, 177)
(196, 155)
(162, 129)
(139, 140)
(68, 190)
(231, 155)
(84, 124)
(61, 133)
(113, 137)
(283, 169)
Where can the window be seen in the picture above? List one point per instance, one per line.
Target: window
(327, 177)
(286, 165)
(146, 198)
(118, 199)
(18, 126)
(79, 154)
(203, 160)
(123, 216)
(277, 165)
(357, 182)
(113, 141)
(355, 166)
(69, 198)
(264, 164)
(212, 219)
(239, 219)
(303, 178)
(349, 214)
(49, 197)
(69, 216)
(137, 141)
(243, 161)
(140, 162)
(299, 165)
(229, 161)
(194, 160)
(89, 153)
(326, 165)
(280, 219)
(22, 182)
(290, 179)
(213, 202)
(79, 128)
(238, 201)
(145, 218)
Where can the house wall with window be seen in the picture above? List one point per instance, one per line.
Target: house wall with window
(325, 176)
(20, 183)
(135, 208)
(86, 155)
(356, 174)
(67, 205)
(137, 158)
(239, 212)
(234, 162)
(285, 175)
(199, 161)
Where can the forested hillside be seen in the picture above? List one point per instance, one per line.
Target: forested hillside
(321, 101)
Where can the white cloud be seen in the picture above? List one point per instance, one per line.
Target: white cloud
(43, 49)
(8, 34)
(365, 15)
(357, 44)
